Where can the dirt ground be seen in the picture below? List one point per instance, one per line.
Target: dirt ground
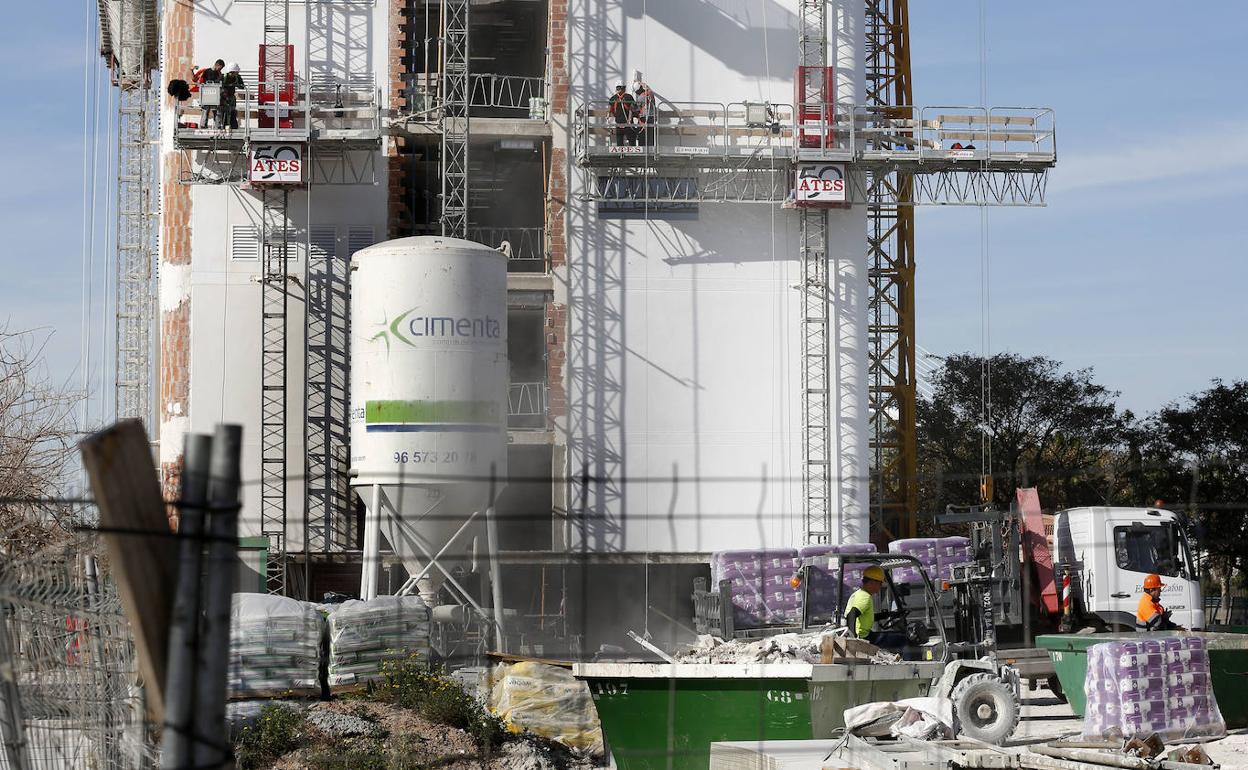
(422, 742)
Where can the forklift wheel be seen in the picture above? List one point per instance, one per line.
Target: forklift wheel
(1055, 687)
(985, 708)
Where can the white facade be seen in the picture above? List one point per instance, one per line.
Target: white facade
(221, 281)
(684, 335)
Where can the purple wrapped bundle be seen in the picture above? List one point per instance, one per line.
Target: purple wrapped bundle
(1151, 685)
(1144, 688)
(761, 593)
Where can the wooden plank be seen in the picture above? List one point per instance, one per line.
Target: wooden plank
(123, 478)
(509, 658)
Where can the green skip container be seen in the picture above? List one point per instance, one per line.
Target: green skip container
(1228, 667)
(661, 716)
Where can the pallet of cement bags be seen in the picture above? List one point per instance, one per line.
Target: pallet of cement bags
(363, 635)
(547, 701)
(275, 647)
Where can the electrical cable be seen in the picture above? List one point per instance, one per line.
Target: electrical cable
(985, 288)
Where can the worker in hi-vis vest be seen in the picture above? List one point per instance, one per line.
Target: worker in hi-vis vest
(1151, 616)
(860, 613)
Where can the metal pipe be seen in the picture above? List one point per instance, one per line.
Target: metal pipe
(496, 582)
(177, 750)
(1093, 757)
(211, 745)
(372, 521)
(12, 721)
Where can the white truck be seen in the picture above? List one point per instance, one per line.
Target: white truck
(1111, 550)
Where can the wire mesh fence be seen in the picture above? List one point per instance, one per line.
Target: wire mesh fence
(70, 695)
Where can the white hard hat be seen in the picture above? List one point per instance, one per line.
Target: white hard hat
(233, 67)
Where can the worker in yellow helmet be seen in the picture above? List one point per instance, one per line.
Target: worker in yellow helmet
(860, 613)
(1151, 616)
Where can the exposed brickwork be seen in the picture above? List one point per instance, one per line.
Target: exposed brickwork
(556, 202)
(175, 249)
(555, 330)
(398, 214)
(557, 35)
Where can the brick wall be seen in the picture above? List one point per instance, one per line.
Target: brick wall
(175, 250)
(556, 327)
(555, 330)
(398, 215)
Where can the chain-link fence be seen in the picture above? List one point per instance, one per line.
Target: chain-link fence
(69, 686)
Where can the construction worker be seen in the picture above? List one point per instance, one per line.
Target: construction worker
(230, 83)
(1151, 616)
(860, 613)
(211, 74)
(647, 114)
(623, 107)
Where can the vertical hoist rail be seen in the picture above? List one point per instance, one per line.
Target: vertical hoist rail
(274, 299)
(136, 221)
(816, 313)
(890, 244)
(454, 123)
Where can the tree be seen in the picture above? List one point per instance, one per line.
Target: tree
(1048, 428)
(1208, 437)
(37, 446)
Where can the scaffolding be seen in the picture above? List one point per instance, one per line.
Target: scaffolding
(890, 255)
(816, 318)
(895, 156)
(454, 121)
(129, 41)
(333, 126)
(274, 300)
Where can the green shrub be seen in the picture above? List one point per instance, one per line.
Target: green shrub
(276, 732)
(412, 684)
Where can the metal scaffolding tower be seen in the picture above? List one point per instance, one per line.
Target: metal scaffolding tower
(274, 301)
(816, 307)
(454, 122)
(129, 36)
(890, 244)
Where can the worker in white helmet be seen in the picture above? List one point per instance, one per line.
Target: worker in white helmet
(230, 83)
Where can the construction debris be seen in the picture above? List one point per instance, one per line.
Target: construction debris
(784, 648)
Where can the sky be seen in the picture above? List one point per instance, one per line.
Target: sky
(1135, 268)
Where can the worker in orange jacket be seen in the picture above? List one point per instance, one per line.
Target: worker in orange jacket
(1151, 616)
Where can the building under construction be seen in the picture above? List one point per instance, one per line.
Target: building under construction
(709, 303)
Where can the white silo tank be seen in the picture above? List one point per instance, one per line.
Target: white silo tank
(429, 377)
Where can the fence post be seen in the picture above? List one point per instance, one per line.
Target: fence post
(12, 724)
(211, 744)
(176, 749)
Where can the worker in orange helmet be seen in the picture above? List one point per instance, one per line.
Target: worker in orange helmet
(1151, 616)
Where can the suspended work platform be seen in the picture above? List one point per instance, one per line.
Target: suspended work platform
(333, 124)
(752, 152)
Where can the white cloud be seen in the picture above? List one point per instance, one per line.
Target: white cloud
(1217, 149)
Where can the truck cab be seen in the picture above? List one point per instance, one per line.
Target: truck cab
(1111, 550)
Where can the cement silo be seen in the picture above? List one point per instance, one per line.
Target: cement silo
(428, 400)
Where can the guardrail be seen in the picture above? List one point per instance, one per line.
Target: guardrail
(527, 244)
(504, 91)
(865, 132)
(739, 129)
(326, 106)
(526, 405)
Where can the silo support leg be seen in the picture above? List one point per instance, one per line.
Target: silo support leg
(372, 546)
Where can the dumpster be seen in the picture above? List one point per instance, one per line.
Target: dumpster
(835, 688)
(661, 716)
(1228, 667)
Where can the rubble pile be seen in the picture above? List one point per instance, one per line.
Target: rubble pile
(782, 648)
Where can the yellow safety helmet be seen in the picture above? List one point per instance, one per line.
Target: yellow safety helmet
(873, 573)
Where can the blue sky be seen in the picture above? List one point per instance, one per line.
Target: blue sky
(1136, 267)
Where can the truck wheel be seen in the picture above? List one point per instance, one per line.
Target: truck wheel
(1055, 687)
(985, 708)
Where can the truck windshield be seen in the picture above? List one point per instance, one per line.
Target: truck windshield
(1148, 549)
